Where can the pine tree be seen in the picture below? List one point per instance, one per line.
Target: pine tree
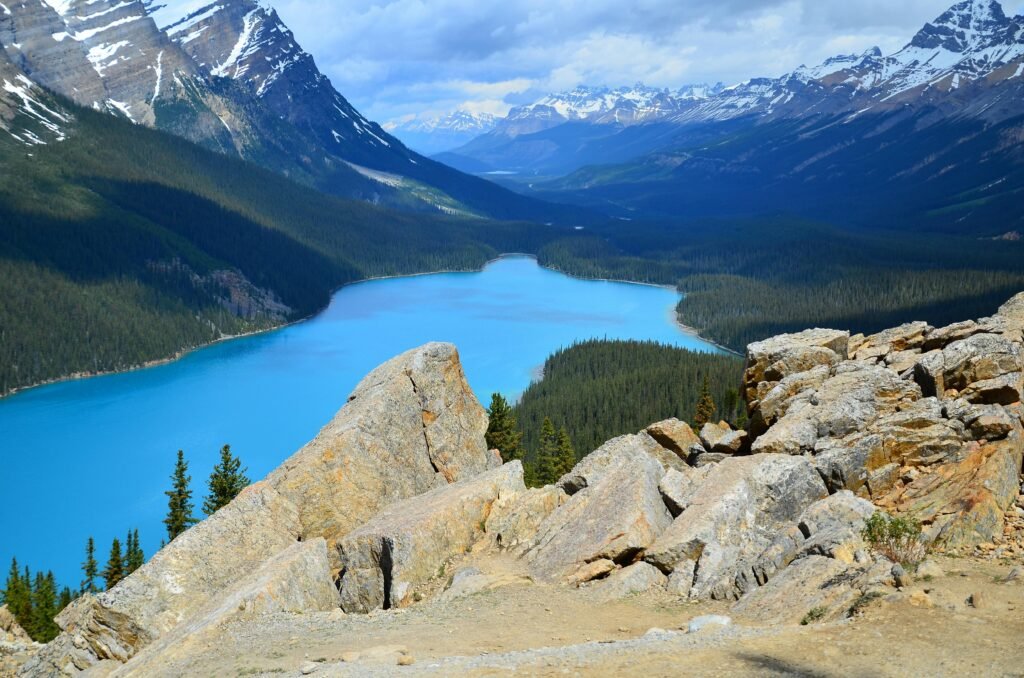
(566, 453)
(114, 571)
(129, 547)
(503, 430)
(134, 556)
(705, 406)
(90, 568)
(17, 594)
(547, 456)
(226, 481)
(66, 598)
(42, 628)
(179, 500)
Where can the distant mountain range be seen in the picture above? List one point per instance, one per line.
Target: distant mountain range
(229, 75)
(966, 64)
(442, 133)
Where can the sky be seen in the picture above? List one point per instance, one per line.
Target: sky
(397, 60)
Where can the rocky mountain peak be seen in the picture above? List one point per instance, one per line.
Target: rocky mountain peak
(964, 26)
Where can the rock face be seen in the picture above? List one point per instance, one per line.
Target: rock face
(10, 630)
(615, 515)
(408, 543)
(410, 426)
(730, 520)
(922, 421)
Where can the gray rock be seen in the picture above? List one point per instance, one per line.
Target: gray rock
(515, 519)
(941, 337)
(1012, 313)
(698, 624)
(407, 544)
(774, 359)
(721, 439)
(628, 581)
(906, 337)
(10, 631)
(980, 358)
(732, 518)
(1006, 389)
(900, 576)
(675, 436)
(817, 583)
(844, 464)
(592, 468)
(678, 487)
(615, 516)
(929, 373)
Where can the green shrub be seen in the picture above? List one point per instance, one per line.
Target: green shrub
(815, 614)
(896, 538)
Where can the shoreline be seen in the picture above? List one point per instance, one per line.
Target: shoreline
(82, 376)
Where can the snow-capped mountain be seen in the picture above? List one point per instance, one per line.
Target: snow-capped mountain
(442, 133)
(602, 105)
(229, 74)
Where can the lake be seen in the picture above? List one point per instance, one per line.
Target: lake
(93, 457)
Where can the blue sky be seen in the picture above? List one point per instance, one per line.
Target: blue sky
(396, 59)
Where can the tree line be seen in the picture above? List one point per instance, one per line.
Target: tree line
(35, 599)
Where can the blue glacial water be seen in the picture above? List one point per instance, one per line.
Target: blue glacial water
(93, 457)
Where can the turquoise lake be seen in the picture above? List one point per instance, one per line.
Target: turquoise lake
(93, 457)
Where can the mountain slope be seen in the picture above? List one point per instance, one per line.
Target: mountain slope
(230, 76)
(122, 245)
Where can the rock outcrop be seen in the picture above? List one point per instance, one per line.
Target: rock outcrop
(10, 631)
(410, 426)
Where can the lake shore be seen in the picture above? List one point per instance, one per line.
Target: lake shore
(157, 362)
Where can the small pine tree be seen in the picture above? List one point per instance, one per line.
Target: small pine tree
(566, 453)
(731, 405)
(42, 628)
(17, 594)
(90, 568)
(134, 557)
(226, 481)
(114, 571)
(503, 430)
(179, 500)
(66, 598)
(705, 406)
(547, 456)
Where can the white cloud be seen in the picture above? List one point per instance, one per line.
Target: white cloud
(396, 58)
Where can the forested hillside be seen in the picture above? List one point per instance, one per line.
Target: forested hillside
(745, 280)
(122, 245)
(601, 389)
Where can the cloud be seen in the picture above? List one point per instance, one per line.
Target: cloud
(400, 58)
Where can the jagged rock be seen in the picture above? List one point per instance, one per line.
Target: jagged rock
(297, 580)
(592, 468)
(721, 439)
(774, 359)
(470, 580)
(847, 463)
(941, 337)
(628, 581)
(678, 487)
(774, 405)
(895, 340)
(406, 544)
(980, 358)
(257, 525)
(732, 518)
(411, 425)
(985, 422)
(902, 361)
(515, 519)
(1005, 389)
(1012, 313)
(811, 583)
(845, 403)
(616, 515)
(675, 436)
(10, 630)
(929, 373)
(920, 435)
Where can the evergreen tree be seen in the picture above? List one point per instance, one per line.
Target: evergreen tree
(127, 554)
(226, 481)
(134, 556)
(705, 406)
(90, 568)
(503, 430)
(179, 500)
(731, 405)
(66, 598)
(114, 571)
(547, 456)
(41, 627)
(566, 453)
(17, 594)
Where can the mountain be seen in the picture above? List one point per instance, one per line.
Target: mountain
(230, 76)
(533, 139)
(443, 133)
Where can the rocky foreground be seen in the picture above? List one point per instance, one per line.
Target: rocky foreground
(397, 513)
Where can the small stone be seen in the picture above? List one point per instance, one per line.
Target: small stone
(308, 668)
(900, 576)
(977, 600)
(699, 623)
(1014, 575)
(349, 657)
(920, 599)
(406, 660)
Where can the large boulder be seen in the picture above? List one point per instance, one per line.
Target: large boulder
(408, 543)
(824, 585)
(514, 520)
(411, 425)
(10, 630)
(595, 465)
(675, 436)
(731, 519)
(979, 358)
(613, 518)
(295, 581)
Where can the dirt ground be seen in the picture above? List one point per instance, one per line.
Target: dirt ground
(927, 629)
